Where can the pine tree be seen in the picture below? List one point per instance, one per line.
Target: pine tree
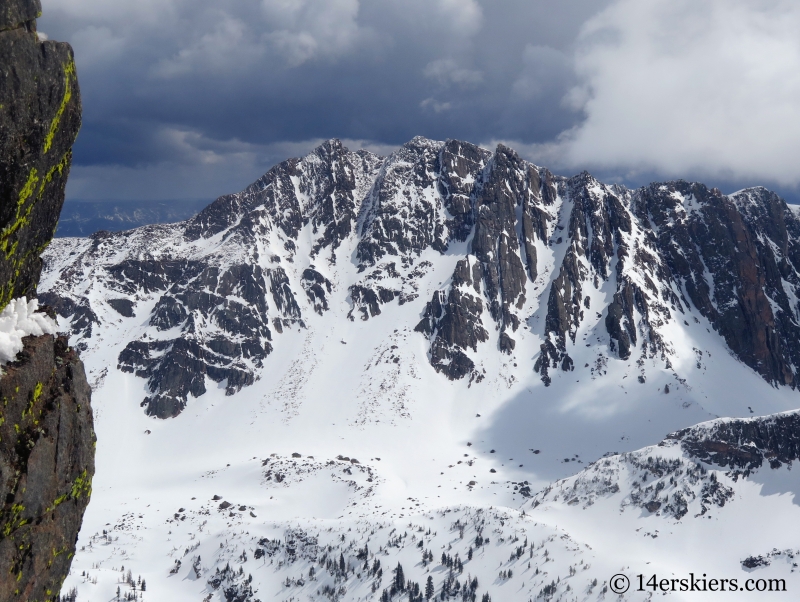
(469, 553)
(341, 563)
(429, 588)
(399, 578)
(144, 585)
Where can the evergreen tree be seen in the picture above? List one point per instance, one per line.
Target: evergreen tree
(341, 563)
(429, 588)
(144, 585)
(399, 578)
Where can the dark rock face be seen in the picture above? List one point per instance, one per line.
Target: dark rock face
(732, 255)
(457, 165)
(19, 12)
(454, 322)
(46, 467)
(731, 258)
(217, 313)
(40, 114)
(46, 436)
(400, 218)
(534, 253)
(503, 253)
(319, 191)
(233, 301)
(123, 306)
(744, 445)
(80, 313)
(317, 288)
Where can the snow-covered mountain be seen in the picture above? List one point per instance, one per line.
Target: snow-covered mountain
(368, 358)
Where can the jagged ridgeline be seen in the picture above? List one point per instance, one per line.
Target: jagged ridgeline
(46, 436)
(515, 250)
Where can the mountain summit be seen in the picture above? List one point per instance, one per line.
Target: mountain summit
(446, 363)
(518, 251)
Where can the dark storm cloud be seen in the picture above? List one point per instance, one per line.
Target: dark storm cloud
(198, 97)
(269, 73)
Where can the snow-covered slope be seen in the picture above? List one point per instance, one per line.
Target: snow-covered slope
(399, 352)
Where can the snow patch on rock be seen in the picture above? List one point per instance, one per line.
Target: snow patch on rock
(19, 319)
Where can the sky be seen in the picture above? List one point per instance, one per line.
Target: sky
(188, 99)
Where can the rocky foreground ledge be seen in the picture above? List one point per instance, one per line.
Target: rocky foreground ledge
(46, 467)
(46, 431)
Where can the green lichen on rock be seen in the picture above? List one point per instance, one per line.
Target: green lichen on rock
(46, 467)
(40, 115)
(47, 439)
(69, 82)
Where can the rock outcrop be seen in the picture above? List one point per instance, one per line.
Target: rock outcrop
(691, 472)
(46, 467)
(39, 120)
(46, 435)
(487, 246)
(744, 445)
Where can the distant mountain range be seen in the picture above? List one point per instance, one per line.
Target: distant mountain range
(447, 353)
(82, 218)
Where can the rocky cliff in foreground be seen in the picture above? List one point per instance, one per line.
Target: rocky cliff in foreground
(46, 463)
(46, 431)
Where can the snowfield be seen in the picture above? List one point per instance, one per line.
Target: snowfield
(350, 455)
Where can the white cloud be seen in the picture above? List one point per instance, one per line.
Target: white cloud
(291, 32)
(150, 12)
(97, 45)
(544, 69)
(216, 35)
(230, 46)
(447, 73)
(305, 29)
(437, 106)
(464, 17)
(679, 87)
